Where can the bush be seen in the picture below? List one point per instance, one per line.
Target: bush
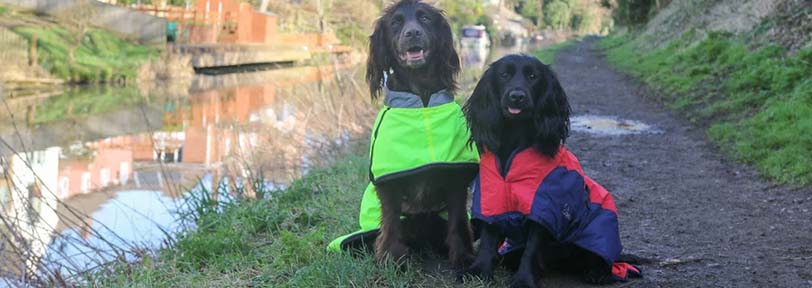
(634, 12)
(558, 14)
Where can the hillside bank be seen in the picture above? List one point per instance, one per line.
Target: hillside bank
(740, 69)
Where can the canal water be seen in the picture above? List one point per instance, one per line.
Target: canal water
(92, 174)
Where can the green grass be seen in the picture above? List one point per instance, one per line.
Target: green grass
(101, 57)
(3, 10)
(279, 241)
(547, 54)
(757, 103)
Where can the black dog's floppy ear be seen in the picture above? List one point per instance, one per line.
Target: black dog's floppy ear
(552, 115)
(483, 113)
(379, 60)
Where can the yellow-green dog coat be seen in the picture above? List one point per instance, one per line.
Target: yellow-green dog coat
(408, 138)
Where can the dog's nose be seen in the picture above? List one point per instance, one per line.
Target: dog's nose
(517, 96)
(413, 33)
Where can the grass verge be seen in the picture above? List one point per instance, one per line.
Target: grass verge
(547, 54)
(101, 57)
(756, 102)
(278, 241)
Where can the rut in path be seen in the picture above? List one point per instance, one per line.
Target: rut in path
(702, 218)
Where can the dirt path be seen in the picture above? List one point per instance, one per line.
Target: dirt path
(705, 220)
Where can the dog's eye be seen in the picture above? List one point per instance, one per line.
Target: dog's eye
(397, 20)
(531, 76)
(425, 19)
(504, 75)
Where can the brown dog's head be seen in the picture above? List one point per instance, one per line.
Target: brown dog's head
(414, 40)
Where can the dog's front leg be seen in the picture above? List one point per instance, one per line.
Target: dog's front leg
(530, 265)
(459, 236)
(389, 242)
(489, 239)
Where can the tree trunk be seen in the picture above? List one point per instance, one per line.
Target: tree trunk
(263, 7)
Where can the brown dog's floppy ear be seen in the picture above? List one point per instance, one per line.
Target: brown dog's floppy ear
(379, 60)
(483, 113)
(448, 64)
(552, 115)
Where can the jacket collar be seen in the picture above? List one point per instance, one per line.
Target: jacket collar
(403, 99)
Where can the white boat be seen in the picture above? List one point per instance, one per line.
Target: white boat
(474, 36)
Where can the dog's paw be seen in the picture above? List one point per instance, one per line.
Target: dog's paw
(460, 260)
(396, 252)
(523, 280)
(478, 270)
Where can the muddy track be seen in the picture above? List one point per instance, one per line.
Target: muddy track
(703, 219)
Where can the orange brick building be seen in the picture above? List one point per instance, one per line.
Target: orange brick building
(230, 22)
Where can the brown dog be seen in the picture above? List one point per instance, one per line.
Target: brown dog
(413, 60)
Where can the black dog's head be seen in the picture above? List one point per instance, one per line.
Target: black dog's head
(413, 39)
(518, 94)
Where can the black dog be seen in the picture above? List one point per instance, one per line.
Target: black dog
(412, 53)
(519, 120)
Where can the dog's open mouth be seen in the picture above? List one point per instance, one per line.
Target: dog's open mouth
(514, 111)
(414, 54)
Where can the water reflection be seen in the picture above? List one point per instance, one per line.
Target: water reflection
(84, 177)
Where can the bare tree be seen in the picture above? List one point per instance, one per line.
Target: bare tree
(263, 7)
(323, 7)
(78, 17)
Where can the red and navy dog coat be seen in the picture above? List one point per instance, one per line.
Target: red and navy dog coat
(553, 192)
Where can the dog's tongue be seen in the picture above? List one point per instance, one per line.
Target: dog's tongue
(414, 55)
(514, 111)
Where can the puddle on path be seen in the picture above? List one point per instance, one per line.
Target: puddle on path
(610, 126)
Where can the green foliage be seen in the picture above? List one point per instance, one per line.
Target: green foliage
(532, 11)
(756, 102)
(580, 16)
(3, 10)
(101, 57)
(463, 12)
(635, 12)
(558, 14)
